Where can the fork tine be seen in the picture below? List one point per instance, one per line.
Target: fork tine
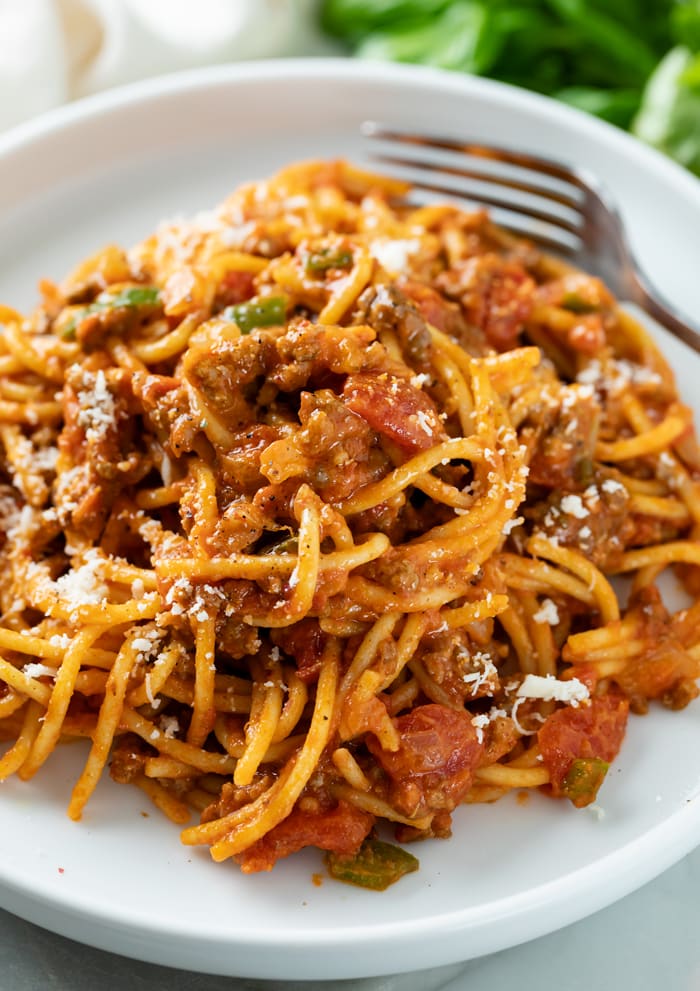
(546, 166)
(544, 226)
(488, 198)
(543, 235)
(599, 245)
(507, 181)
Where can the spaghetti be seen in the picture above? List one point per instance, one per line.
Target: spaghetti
(310, 507)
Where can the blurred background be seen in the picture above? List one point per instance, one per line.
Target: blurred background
(635, 63)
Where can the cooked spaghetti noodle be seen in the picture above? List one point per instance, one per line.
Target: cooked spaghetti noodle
(310, 508)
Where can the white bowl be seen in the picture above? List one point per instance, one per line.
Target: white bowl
(109, 169)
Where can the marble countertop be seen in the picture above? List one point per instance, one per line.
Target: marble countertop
(646, 941)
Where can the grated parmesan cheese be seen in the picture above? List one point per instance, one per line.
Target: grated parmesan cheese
(393, 255)
(511, 525)
(424, 422)
(547, 613)
(516, 722)
(59, 640)
(610, 485)
(486, 675)
(35, 670)
(419, 380)
(142, 644)
(617, 375)
(573, 506)
(592, 496)
(479, 723)
(170, 726)
(83, 585)
(45, 458)
(21, 525)
(97, 407)
(551, 689)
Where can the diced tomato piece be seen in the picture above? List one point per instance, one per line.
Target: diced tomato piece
(660, 672)
(594, 730)
(395, 408)
(341, 829)
(235, 287)
(438, 311)
(664, 669)
(433, 767)
(305, 642)
(588, 335)
(497, 296)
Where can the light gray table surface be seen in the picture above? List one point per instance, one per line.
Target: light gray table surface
(646, 942)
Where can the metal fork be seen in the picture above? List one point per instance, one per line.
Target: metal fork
(564, 209)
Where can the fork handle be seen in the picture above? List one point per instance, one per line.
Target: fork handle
(651, 301)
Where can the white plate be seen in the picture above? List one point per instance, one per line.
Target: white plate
(108, 170)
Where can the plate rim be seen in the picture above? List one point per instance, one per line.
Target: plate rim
(676, 835)
(58, 118)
